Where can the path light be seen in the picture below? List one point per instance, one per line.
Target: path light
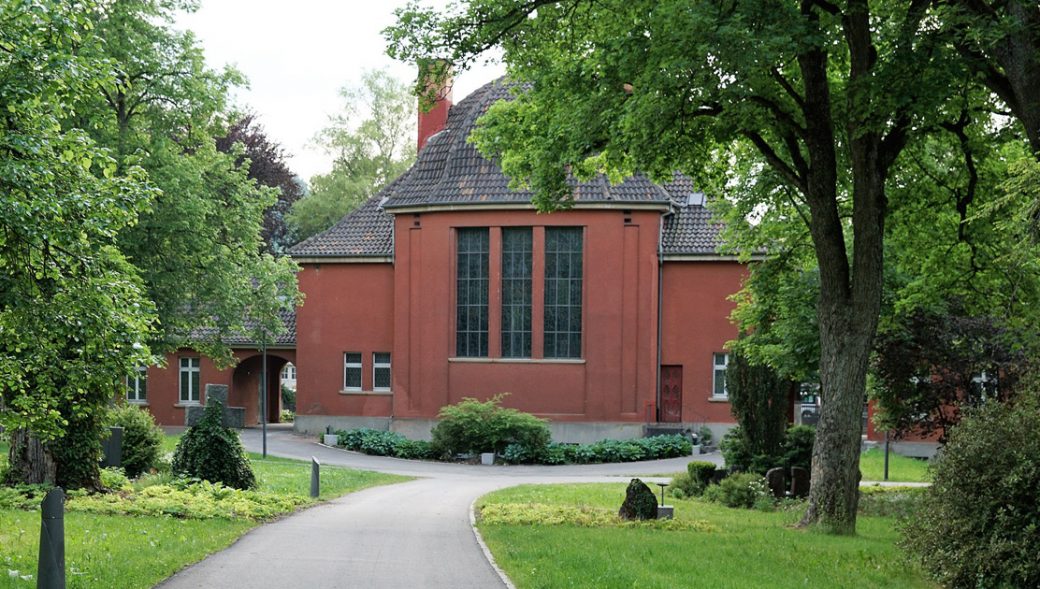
(664, 511)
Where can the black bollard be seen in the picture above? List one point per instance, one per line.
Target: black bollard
(315, 481)
(50, 573)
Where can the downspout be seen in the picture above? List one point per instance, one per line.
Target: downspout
(660, 300)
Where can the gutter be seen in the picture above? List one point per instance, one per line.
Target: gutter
(660, 308)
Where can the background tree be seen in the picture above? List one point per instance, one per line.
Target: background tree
(267, 166)
(823, 96)
(760, 400)
(198, 246)
(372, 141)
(74, 317)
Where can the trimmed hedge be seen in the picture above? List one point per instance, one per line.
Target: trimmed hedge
(384, 443)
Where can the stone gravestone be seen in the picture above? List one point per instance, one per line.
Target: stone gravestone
(217, 393)
(799, 482)
(776, 478)
(640, 502)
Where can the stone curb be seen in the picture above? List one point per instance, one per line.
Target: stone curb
(483, 547)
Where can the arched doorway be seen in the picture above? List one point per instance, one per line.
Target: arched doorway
(245, 385)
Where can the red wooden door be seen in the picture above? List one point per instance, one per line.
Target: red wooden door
(671, 393)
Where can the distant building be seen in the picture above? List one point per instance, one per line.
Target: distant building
(603, 318)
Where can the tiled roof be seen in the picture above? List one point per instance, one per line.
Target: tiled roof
(690, 231)
(450, 171)
(365, 232)
(288, 338)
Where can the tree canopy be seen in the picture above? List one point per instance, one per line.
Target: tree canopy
(372, 141)
(805, 107)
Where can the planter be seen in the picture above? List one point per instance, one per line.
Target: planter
(696, 449)
(487, 458)
(330, 439)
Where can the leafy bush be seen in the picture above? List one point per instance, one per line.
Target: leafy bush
(142, 438)
(287, 416)
(114, 478)
(743, 490)
(288, 398)
(797, 446)
(701, 472)
(670, 446)
(978, 525)
(212, 452)
(473, 426)
(796, 450)
(735, 450)
(683, 486)
(383, 443)
(705, 436)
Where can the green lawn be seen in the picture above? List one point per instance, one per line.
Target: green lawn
(740, 549)
(900, 468)
(127, 551)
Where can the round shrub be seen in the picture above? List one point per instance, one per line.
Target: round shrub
(743, 490)
(683, 485)
(212, 452)
(473, 426)
(702, 472)
(142, 438)
(978, 525)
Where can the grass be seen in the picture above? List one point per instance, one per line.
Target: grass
(139, 551)
(901, 469)
(741, 548)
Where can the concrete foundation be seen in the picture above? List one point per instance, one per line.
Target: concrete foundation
(316, 424)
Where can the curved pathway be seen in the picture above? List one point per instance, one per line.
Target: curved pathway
(413, 534)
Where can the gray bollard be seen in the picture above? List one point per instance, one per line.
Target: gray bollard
(315, 480)
(50, 572)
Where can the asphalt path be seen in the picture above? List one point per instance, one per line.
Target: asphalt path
(408, 535)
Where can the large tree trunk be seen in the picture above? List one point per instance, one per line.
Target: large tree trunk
(31, 462)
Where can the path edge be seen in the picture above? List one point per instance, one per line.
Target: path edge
(484, 548)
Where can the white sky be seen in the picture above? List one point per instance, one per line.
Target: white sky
(298, 54)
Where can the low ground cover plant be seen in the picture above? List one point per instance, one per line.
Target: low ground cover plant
(384, 443)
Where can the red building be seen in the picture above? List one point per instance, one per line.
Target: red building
(603, 318)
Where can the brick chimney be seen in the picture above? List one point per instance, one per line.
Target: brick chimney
(438, 83)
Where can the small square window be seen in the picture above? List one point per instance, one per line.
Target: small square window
(352, 371)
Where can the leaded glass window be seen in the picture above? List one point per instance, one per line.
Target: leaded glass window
(516, 292)
(381, 371)
(563, 284)
(471, 303)
(352, 371)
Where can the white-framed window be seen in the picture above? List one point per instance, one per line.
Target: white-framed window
(352, 371)
(190, 380)
(719, 362)
(381, 371)
(289, 372)
(137, 386)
